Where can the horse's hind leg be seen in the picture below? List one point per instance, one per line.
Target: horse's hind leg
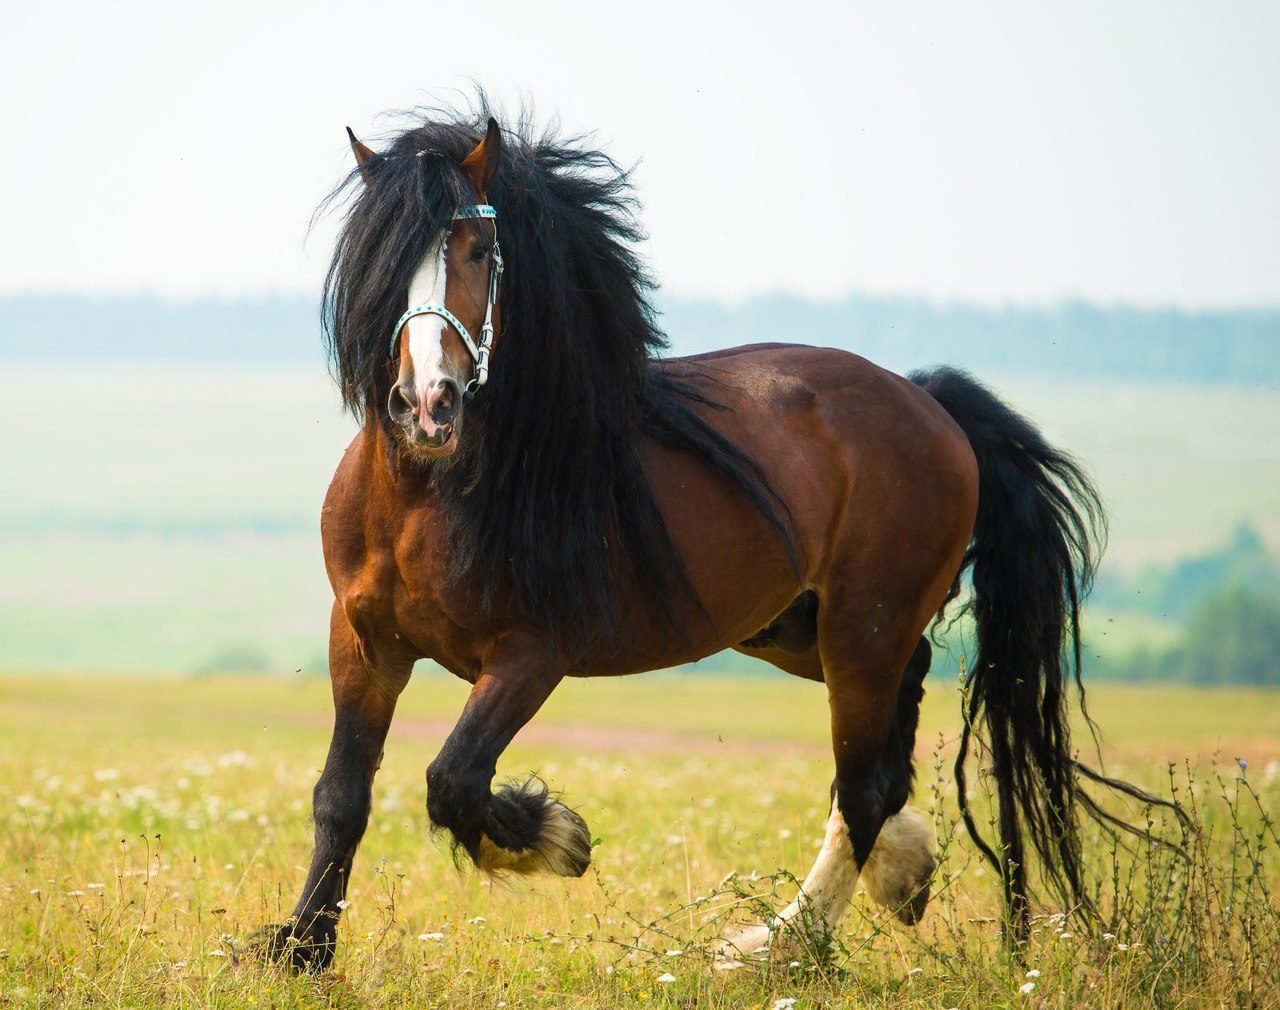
(896, 870)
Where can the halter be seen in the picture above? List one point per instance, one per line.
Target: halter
(479, 351)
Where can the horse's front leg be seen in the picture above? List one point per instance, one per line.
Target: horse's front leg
(366, 683)
(521, 828)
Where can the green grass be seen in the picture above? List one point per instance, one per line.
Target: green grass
(150, 825)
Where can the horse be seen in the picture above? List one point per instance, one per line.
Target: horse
(553, 498)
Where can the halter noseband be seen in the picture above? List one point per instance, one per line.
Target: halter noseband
(479, 351)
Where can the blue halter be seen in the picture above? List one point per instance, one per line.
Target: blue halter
(479, 351)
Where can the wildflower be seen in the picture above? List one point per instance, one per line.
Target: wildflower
(343, 904)
(1033, 973)
(786, 1003)
(666, 978)
(674, 953)
(430, 936)
(217, 953)
(1027, 988)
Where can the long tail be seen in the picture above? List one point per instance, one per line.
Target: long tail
(1036, 544)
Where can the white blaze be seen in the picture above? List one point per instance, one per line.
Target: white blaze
(426, 333)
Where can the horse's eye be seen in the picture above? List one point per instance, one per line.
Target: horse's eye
(480, 252)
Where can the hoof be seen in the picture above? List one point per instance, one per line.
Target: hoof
(748, 944)
(293, 948)
(795, 940)
(530, 832)
(900, 866)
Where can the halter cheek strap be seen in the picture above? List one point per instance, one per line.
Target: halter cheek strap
(479, 350)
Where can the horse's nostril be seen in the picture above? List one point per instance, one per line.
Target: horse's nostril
(445, 403)
(402, 399)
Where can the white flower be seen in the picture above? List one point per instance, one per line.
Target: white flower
(674, 953)
(344, 904)
(1033, 973)
(217, 953)
(430, 936)
(666, 978)
(786, 1003)
(1027, 988)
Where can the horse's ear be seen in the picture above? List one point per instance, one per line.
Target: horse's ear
(481, 165)
(363, 154)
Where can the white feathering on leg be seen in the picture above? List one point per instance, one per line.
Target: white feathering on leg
(897, 872)
(563, 846)
(820, 906)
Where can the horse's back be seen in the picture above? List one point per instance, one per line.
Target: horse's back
(860, 406)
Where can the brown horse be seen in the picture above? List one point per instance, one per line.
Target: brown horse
(592, 510)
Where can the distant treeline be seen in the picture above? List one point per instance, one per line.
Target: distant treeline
(1068, 340)
(1227, 603)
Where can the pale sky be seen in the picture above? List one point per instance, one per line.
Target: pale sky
(988, 152)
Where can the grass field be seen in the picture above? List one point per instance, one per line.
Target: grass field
(151, 824)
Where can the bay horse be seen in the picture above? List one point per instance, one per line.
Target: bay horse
(552, 499)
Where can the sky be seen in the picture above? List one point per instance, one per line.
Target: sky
(1016, 152)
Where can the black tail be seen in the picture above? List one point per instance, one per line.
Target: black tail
(1036, 544)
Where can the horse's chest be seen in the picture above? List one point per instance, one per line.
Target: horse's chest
(434, 612)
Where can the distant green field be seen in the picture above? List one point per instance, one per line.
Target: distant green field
(151, 825)
(170, 520)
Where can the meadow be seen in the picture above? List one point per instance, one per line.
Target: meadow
(152, 824)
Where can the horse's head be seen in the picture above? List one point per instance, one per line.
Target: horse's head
(440, 347)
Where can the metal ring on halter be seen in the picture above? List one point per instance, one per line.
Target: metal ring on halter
(479, 351)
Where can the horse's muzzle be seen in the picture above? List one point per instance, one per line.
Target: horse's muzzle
(430, 424)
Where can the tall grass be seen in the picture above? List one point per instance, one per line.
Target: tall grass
(144, 840)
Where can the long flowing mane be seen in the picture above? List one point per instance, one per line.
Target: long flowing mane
(548, 509)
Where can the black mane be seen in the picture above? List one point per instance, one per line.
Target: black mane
(548, 508)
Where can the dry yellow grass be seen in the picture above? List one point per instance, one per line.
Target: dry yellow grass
(150, 825)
